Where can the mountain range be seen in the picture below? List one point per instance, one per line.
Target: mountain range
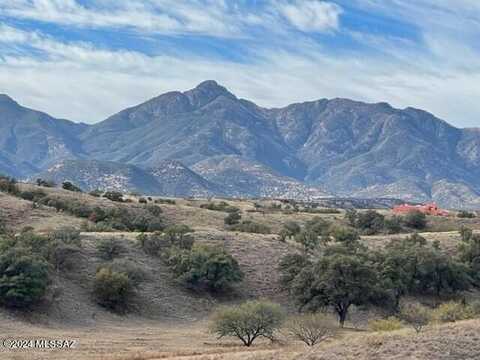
(206, 141)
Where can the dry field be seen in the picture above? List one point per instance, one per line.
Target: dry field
(168, 321)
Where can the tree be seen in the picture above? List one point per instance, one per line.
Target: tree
(311, 328)
(180, 236)
(370, 222)
(113, 289)
(23, 278)
(308, 239)
(339, 279)
(67, 185)
(345, 235)
(114, 196)
(110, 248)
(291, 228)
(232, 218)
(351, 217)
(290, 266)
(205, 265)
(416, 315)
(416, 220)
(248, 321)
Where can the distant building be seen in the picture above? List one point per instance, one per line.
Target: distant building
(427, 209)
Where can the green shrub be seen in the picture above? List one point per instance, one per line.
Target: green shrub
(205, 265)
(221, 206)
(112, 289)
(393, 225)
(232, 218)
(154, 210)
(370, 222)
(165, 201)
(65, 256)
(152, 244)
(34, 195)
(466, 214)
(109, 248)
(389, 324)
(9, 185)
(133, 271)
(45, 183)
(248, 321)
(451, 311)
(249, 226)
(68, 235)
(23, 278)
(308, 239)
(142, 200)
(416, 220)
(67, 185)
(179, 236)
(113, 196)
(96, 193)
(345, 235)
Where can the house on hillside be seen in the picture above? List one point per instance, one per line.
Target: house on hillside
(427, 209)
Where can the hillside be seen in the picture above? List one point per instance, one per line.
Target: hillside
(337, 146)
(167, 320)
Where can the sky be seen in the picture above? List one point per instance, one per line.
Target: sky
(85, 60)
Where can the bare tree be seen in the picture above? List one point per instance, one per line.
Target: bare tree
(312, 328)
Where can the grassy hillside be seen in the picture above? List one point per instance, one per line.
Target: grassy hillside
(166, 319)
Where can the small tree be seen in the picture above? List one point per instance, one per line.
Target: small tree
(205, 265)
(67, 185)
(370, 222)
(23, 278)
(416, 220)
(114, 196)
(68, 235)
(108, 249)
(112, 289)
(311, 328)
(248, 321)
(232, 218)
(308, 239)
(180, 236)
(416, 315)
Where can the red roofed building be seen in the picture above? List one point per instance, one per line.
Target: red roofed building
(427, 209)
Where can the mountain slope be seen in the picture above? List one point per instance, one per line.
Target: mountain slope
(32, 140)
(340, 146)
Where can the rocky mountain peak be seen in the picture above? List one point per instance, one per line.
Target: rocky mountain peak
(206, 92)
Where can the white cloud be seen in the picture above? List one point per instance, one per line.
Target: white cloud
(211, 17)
(84, 83)
(312, 15)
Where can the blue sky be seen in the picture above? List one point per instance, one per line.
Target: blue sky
(87, 59)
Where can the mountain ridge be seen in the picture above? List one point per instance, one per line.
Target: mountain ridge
(339, 146)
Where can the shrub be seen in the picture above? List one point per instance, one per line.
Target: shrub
(389, 324)
(165, 201)
(452, 311)
(205, 265)
(67, 185)
(221, 206)
(153, 243)
(290, 229)
(416, 220)
(96, 193)
(249, 226)
(112, 289)
(154, 210)
(68, 235)
(65, 256)
(345, 235)
(308, 239)
(312, 328)
(45, 183)
(24, 278)
(416, 315)
(142, 200)
(248, 321)
(133, 271)
(9, 185)
(109, 248)
(232, 218)
(179, 236)
(113, 196)
(466, 214)
(393, 225)
(34, 195)
(145, 223)
(370, 222)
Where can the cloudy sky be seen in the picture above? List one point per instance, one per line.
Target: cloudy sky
(86, 59)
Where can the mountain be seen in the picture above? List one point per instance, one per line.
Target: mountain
(31, 140)
(171, 178)
(224, 145)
